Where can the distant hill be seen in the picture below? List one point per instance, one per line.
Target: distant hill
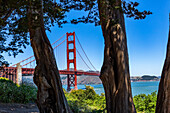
(83, 80)
(96, 80)
(145, 78)
(159, 76)
(90, 80)
(148, 77)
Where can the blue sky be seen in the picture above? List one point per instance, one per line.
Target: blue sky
(146, 39)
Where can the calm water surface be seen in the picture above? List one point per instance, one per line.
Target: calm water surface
(137, 87)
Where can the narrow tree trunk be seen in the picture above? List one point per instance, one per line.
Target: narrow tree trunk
(163, 98)
(115, 70)
(50, 97)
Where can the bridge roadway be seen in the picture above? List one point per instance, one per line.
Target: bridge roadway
(28, 71)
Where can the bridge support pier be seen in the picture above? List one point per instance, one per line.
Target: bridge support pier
(71, 82)
(71, 48)
(68, 83)
(19, 74)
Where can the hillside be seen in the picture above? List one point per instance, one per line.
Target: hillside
(90, 80)
(144, 78)
(83, 80)
(96, 80)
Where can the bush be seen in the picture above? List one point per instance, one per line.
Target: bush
(13, 93)
(79, 100)
(86, 101)
(145, 103)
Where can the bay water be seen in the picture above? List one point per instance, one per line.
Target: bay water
(137, 87)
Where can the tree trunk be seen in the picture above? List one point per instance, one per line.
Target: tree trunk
(163, 98)
(115, 70)
(50, 97)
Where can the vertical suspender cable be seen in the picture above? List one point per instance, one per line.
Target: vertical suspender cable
(85, 53)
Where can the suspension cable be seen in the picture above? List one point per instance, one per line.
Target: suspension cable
(82, 59)
(28, 63)
(22, 61)
(58, 39)
(53, 48)
(85, 53)
(59, 44)
(33, 55)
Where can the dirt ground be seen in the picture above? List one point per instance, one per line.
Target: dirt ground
(18, 108)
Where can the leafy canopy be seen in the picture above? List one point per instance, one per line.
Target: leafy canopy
(14, 34)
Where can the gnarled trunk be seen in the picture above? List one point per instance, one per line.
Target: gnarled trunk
(115, 70)
(163, 98)
(50, 97)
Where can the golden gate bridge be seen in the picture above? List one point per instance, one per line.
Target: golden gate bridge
(16, 71)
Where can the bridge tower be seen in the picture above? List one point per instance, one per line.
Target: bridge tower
(71, 59)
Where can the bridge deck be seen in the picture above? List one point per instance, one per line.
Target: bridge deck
(28, 71)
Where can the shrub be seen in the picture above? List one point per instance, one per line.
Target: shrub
(86, 101)
(13, 93)
(145, 103)
(79, 100)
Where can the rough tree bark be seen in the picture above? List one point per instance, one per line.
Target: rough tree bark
(115, 70)
(50, 97)
(163, 98)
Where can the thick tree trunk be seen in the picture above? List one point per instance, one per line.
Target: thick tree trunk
(50, 97)
(115, 70)
(163, 98)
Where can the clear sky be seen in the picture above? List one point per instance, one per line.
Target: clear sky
(146, 39)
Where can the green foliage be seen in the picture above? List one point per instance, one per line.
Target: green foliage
(130, 10)
(86, 101)
(14, 33)
(12, 93)
(145, 103)
(79, 100)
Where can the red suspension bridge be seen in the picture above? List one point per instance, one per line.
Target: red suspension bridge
(16, 71)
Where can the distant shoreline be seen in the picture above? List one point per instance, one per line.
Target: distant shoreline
(145, 80)
(96, 80)
(130, 81)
